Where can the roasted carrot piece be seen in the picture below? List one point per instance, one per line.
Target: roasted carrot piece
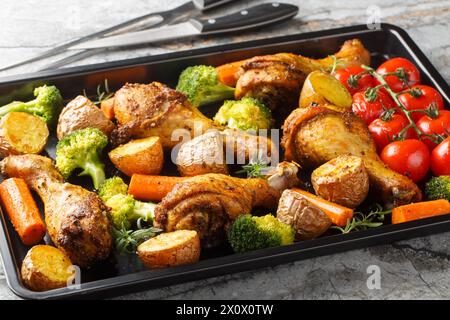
(107, 106)
(420, 210)
(152, 188)
(22, 210)
(338, 214)
(227, 72)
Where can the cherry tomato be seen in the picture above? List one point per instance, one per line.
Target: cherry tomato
(411, 73)
(408, 157)
(439, 125)
(427, 96)
(347, 77)
(370, 110)
(383, 132)
(440, 158)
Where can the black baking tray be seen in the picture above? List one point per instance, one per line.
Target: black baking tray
(123, 274)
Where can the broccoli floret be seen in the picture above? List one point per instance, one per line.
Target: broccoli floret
(81, 149)
(251, 233)
(47, 104)
(245, 114)
(111, 187)
(125, 210)
(438, 188)
(201, 85)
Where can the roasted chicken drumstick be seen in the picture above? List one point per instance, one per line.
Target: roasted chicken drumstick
(276, 79)
(76, 218)
(207, 203)
(315, 135)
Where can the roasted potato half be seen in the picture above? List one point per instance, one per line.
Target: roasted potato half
(170, 249)
(343, 180)
(308, 220)
(201, 155)
(81, 113)
(321, 88)
(143, 156)
(45, 268)
(22, 133)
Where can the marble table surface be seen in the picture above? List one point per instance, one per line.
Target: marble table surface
(411, 269)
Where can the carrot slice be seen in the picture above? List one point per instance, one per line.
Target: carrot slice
(22, 210)
(107, 106)
(338, 214)
(152, 188)
(420, 210)
(228, 72)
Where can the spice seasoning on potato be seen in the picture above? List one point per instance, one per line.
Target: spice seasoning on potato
(308, 220)
(81, 113)
(45, 268)
(343, 180)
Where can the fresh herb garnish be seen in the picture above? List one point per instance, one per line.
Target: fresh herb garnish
(361, 221)
(127, 241)
(102, 94)
(255, 169)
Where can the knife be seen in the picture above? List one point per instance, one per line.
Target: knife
(251, 18)
(187, 9)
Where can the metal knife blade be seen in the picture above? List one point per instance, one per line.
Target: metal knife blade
(256, 16)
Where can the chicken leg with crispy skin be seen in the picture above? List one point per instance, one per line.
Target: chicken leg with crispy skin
(315, 135)
(208, 203)
(144, 110)
(276, 79)
(76, 218)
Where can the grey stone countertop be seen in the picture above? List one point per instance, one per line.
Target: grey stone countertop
(412, 269)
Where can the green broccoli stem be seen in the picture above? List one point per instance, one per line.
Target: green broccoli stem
(94, 168)
(16, 106)
(144, 211)
(219, 92)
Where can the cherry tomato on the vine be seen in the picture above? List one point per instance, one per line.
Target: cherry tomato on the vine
(354, 79)
(440, 158)
(384, 131)
(370, 106)
(408, 74)
(421, 97)
(439, 125)
(408, 157)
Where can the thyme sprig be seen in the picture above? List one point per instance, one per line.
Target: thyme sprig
(102, 93)
(255, 169)
(361, 221)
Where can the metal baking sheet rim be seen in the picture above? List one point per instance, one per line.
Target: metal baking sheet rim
(237, 262)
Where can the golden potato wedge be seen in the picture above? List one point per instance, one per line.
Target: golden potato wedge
(143, 156)
(343, 180)
(45, 268)
(170, 249)
(307, 220)
(22, 133)
(322, 88)
(81, 113)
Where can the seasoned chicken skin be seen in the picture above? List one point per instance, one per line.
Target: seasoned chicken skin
(76, 218)
(144, 110)
(315, 135)
(207, 203)
(277, 79)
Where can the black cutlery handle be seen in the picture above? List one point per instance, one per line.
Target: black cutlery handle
(253, 17)
(210, 4)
